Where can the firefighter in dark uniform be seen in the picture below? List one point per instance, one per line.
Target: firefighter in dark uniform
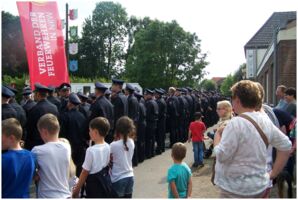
(207, 110)
(137, 90)
(7, 110)
(141, 128)
(51, 98)
(103, 108)
(173, 115)
(25, 97)
(189, 106)
(133, 105)
(91, 98)
(182, 114)
(213, 105)
(164, 92)
(108, 93)
(74, 127)
(119, 100)
(42, 107)
(84, 107)
(133, 113)
(193, 103)
(28, 103)
(161, 123)
(21, 114)
(151, 122)
(198, 101)
(204, 108)
(64, 91)
(189, 109)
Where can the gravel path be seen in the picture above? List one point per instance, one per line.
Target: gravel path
(150, 177)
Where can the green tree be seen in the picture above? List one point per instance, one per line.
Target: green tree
(19, 83)
(163, 54)
(240, 72)
(227, 84)
(14, 62)
(133, 25)
(208, 85)
(103, 40)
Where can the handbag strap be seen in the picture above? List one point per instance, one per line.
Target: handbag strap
(261, 132)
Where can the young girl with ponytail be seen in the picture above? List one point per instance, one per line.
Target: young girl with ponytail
(121, 157)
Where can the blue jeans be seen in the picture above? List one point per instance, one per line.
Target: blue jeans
(198, 152)
(124, 187)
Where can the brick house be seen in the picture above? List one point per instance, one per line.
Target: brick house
(271, 54)
(218, 81)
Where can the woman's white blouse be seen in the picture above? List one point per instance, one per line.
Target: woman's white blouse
(241, 154)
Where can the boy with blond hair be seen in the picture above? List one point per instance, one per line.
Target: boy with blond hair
(53, 160)
(18, 165)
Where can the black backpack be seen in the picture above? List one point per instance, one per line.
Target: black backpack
(99, 185)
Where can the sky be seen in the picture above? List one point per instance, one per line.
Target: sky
(223, 26)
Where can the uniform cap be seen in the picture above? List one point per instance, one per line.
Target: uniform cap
(80, 94)
(41, 88)
(7, 92)
(26, 91)
(15, 91)
(129, 87)
(51, 88)
(137, 89)
(159, 92)
(108, 91)
(162, 90)
(64, 86)
(92, 96)
(147, 91)
(138, 95)
(117, 81)
(184, 90)
(189, 89)
(100, 86)
(74, 99)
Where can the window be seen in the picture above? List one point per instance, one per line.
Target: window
(87, 90)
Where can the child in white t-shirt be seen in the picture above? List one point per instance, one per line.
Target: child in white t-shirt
(97, 157)
(121, 154)
(53, 159)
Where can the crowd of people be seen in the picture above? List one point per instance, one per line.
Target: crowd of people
(153, 114)
(114, 129)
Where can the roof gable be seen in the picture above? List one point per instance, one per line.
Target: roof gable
(264, 36)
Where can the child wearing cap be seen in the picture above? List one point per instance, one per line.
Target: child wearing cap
(18, 165)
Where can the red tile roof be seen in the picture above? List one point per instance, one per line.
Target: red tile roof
(218, 79)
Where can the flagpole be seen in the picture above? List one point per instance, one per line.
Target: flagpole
(66, 36)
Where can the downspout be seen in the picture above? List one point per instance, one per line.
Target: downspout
(275, 65)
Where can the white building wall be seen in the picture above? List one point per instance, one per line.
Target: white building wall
(288, 34)
(260, 55)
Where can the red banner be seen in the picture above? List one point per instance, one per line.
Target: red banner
(44, 42)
